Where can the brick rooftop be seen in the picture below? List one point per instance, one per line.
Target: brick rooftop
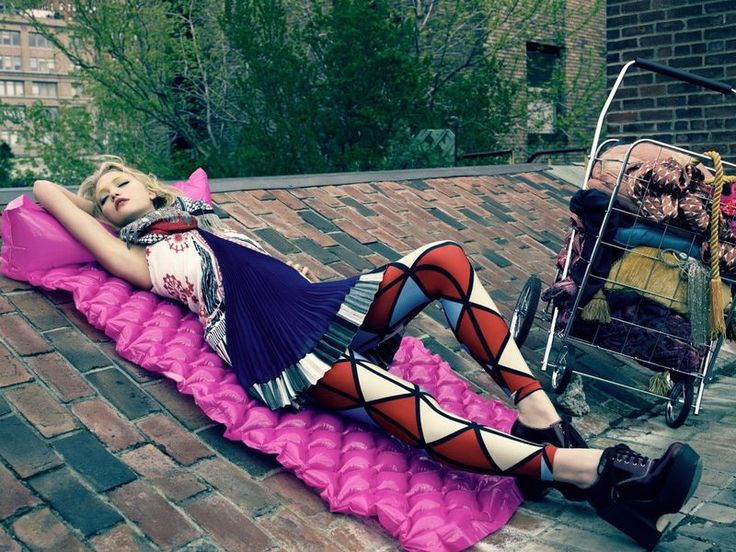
(97, 454)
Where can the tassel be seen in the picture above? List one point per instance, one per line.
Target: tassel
(717, 321)
(597, 309)
(660, 383)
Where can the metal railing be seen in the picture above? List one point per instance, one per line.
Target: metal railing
(481, 154)
(559, 151)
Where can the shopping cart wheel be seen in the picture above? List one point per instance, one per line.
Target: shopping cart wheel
(562, 371)
(680, 403)
(525, 309)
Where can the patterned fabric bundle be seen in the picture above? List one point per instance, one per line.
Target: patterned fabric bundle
(607, 169)
(727, 255)
(659, 187)
(694, 209)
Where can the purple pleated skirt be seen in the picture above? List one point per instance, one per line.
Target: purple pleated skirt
(284, 332)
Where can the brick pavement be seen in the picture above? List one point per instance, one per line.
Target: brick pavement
(96, 454)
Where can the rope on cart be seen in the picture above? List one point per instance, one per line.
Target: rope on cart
(717, 322)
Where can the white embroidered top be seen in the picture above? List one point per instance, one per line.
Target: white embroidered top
(183, 268)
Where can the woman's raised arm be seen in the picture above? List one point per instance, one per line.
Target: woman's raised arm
(74, 213)
(84, 204)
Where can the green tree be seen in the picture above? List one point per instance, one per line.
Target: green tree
(273, 77)
(63, 139)
(6, 165)
(158, 75)
(245, 87)
(369, 83)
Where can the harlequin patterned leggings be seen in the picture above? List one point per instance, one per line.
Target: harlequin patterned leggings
(439, 271)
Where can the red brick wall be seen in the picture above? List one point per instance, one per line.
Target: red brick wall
(694, 35)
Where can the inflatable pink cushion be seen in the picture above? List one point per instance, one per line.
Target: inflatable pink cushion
(196, 187)
(33, 240)
(356, 470)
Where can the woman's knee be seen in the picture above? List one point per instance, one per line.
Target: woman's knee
(449, 255)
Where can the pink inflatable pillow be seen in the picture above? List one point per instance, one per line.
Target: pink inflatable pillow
(33, 240)
(196, 187)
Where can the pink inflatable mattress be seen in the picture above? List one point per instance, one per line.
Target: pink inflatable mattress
(356, 470)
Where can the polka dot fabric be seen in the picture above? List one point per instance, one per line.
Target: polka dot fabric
(356, 470)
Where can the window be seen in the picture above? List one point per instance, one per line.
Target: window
(10, 63)
(36, 40)
(10, 38)
(10, 137)
(42, 65)
(10, 88)
(541, 62)
(44, 89)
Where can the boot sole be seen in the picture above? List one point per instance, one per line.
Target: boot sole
(646, 529)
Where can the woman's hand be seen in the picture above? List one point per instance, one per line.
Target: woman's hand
(41, 191)
(303, 270)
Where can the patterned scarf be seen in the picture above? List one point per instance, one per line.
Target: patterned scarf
(183, 215)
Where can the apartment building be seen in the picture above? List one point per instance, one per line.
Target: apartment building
(31, 70)
(566, 32)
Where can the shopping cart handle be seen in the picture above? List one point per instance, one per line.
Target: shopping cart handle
(715, 85)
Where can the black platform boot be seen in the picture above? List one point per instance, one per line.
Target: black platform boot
(561, 434)
(633, 492)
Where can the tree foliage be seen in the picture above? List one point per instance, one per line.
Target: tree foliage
(247, 87)
(6, 165)
(62, 139)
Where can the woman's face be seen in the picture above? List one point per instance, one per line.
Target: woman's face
(122, 198)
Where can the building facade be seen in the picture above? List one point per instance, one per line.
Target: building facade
(31, 70)
(698, 36)
(557, 53)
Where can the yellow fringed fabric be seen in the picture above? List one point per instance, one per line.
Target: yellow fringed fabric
(653, 273)
(657, 275)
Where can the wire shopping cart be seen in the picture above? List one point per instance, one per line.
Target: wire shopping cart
(648, 268)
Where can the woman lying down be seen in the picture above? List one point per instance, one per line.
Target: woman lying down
(293, 342)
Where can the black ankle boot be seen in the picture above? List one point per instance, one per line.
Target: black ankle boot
(561, 434)
(633, 492)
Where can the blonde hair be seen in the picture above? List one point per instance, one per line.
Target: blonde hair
(165, 195)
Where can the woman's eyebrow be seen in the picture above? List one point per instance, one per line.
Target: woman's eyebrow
(114, 181)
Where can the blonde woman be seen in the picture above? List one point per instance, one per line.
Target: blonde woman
(293, 342)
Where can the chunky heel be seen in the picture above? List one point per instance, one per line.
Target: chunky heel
(628, 520)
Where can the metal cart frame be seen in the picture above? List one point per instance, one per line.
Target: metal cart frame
(681, 395)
